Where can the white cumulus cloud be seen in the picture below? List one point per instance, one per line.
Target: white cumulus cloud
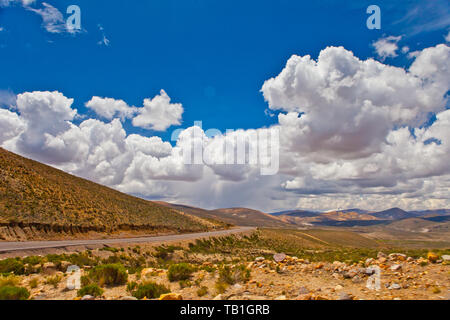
(159, 113)
(109, 108)
(387, 47)
(353, 133)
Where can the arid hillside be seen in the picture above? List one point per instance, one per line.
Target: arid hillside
(233, 216)
(39, 201)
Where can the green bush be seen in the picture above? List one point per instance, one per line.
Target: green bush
(150, 290)
(85, 280)
(180, 271)
(109, 274)
(11, 265)
(9, 281)
(185, 284)
(33, 260)
(202, 291)
(13, 293)
(131, 286)
(54, 281)
(91, 289)
(232, 275)
(163, 252)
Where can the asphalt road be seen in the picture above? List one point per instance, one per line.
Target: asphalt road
(33, 245)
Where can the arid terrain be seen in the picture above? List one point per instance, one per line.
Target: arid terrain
(292, 255)
(259, 265)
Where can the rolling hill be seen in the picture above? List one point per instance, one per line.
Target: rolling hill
(248, 217)
(232, 216)
(392, 214)
(37, 200)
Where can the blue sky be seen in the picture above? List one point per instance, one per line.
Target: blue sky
(213, 57)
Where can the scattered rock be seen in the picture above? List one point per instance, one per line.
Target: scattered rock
(357, 279)
(171, 296)
(259, 259)
(237, 286)
(432, 257)
(344, 296)
(338, 287)
(381, 255)
(350, 274)
(422, 261)
(128, 298)
(283, 297)
(368, 271)
(303, 290)
(395, 286)
(397, 256)
(396, 267)
(304, 297)
(218, 297)
(279, 257)
(88, 297)
(446, 257)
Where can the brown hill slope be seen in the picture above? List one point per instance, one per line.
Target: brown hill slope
(232, 216)
(34, 195)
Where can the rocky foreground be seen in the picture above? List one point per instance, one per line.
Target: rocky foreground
(277, 277)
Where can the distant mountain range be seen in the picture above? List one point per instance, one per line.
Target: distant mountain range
(305, 218)
(354, 217)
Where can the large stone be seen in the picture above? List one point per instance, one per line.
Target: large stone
(432, 257)
(446, 257)
(279, 257)
(395, 286)
(88, 297)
